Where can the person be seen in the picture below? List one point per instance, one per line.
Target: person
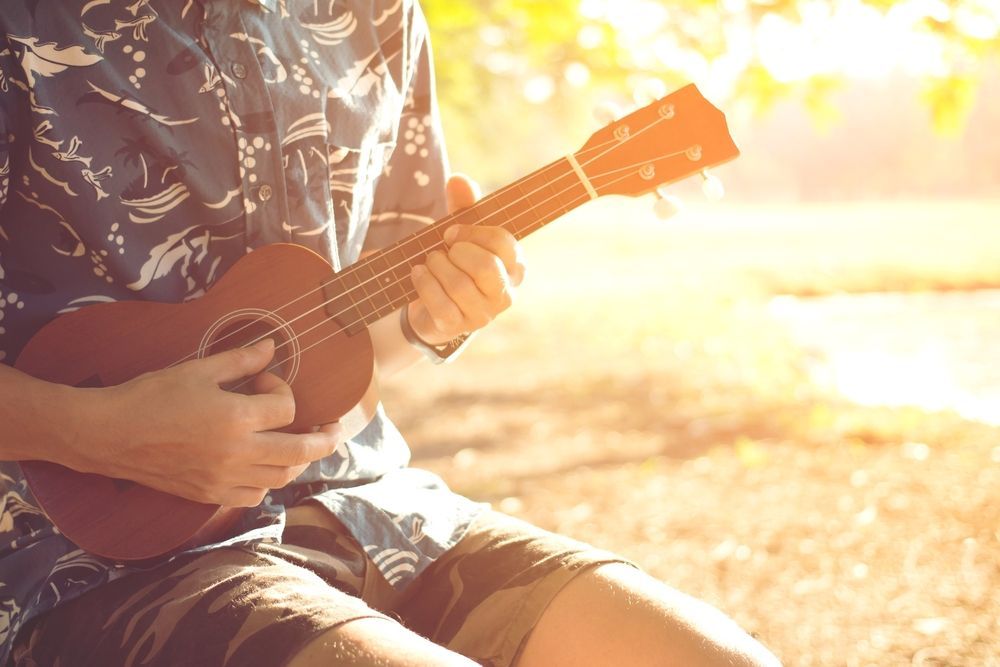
(146, 146)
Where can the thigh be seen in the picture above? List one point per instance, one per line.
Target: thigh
(617, 615)
(231, 606)
(484, 596)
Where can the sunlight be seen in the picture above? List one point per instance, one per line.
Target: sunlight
(843, 37)
(925, 380)
(853, 39)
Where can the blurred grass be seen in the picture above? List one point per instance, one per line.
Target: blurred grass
(640, 396)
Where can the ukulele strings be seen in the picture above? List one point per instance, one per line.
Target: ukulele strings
(435, 245)
(406, 296)
(359, 287)
(384, 286)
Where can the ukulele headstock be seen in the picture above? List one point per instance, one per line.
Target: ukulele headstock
(676, 136)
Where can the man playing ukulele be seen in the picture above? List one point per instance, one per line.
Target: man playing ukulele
(144, 148)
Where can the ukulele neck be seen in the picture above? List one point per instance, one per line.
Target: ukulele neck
(380, 284)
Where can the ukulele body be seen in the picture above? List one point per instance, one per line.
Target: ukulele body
(275, 291)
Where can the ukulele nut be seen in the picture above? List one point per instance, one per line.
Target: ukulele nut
(647, 173)
(667, 111)
(693, 153)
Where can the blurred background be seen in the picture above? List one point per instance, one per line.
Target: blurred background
(787, 402)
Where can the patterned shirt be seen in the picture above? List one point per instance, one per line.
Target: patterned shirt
(146, 146)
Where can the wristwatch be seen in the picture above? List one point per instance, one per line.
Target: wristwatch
(438, 354)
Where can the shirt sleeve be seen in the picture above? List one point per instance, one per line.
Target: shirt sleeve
(411, 191)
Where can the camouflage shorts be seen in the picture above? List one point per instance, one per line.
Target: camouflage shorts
(261, 605)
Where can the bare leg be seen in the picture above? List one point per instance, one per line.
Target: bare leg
(375, 642)
(617, 615)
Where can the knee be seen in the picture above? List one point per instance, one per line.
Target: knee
(694, 630)
(620, 615)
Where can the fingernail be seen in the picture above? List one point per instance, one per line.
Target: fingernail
(450, 234)
(419, 270)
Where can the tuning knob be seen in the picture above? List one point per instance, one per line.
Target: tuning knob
(667, 205)
(711, 186)
(648, 91)
(607, 113)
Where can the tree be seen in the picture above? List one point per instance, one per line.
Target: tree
(497, 56)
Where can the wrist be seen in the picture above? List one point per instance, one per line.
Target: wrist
(410, 331)
(47, 422)
(436, 351)
(67, 415)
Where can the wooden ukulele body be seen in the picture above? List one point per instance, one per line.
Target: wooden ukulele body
(275, 291)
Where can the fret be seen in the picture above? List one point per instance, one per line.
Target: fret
(469, 216)
(539, 200)
(564, 186)
(348, 279)
(426, 240)
(394, 256)
(492, 210)
(378, 264)
(406, 295)
(379, 313)
(522, 202)
(365, 271)
(379, 300)
(342, 305)
(436, 231)
(554, 191)
(368, 288)
(412, 250)
(396, 291)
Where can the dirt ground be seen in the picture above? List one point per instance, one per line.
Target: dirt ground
(640, 397)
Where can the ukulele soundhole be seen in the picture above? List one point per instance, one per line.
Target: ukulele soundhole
(246, 327)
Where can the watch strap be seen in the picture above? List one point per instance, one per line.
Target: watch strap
(438, 354)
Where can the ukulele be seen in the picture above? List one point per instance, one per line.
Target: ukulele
(318, 320)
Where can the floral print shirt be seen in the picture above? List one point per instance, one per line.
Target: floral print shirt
(147, 145)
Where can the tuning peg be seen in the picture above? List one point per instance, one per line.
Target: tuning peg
(648, 91)
(711, 186)
(667, 205)
(607, 112)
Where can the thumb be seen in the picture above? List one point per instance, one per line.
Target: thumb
(239, 362)
(462, 192)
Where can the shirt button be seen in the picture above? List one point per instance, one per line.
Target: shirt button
(264, 192)
(239, 70)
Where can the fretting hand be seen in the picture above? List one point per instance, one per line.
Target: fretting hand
(463, 288)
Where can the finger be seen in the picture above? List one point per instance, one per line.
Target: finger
(267, 412)
(291, 449)
(497, 240)
(335, 429)
(485, 269)
(272, 404)
(272, 477)
(237, 363)
(462, 192)
(462, 290)
(243, 496)
(445, 314)
(270, 383)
